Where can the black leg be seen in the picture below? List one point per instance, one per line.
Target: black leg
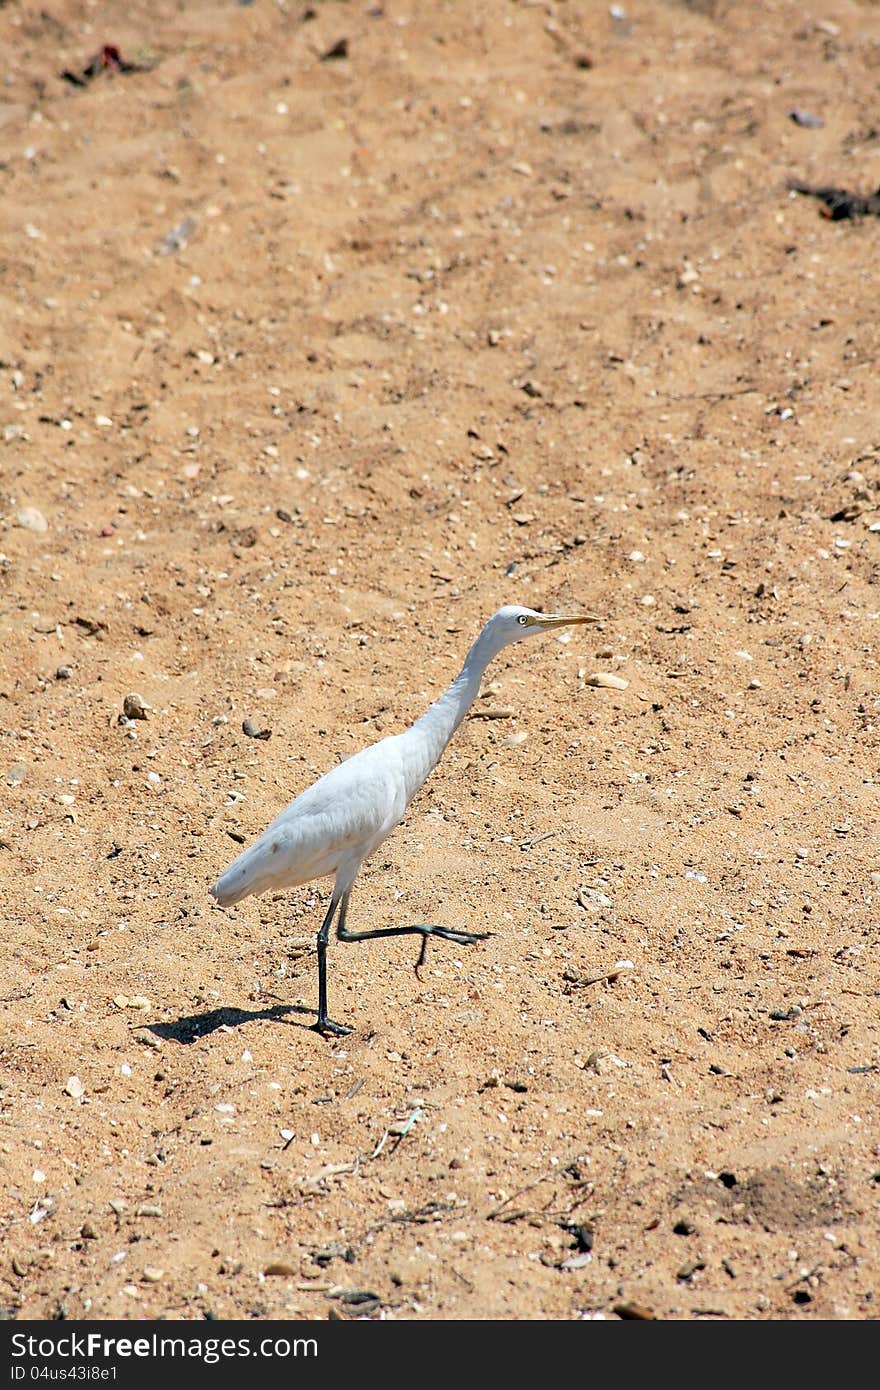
(325, 1024)
(423, 929)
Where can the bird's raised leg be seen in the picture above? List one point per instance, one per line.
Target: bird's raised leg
(325, 1024)
(424, 929)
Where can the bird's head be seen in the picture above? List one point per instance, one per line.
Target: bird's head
(512, 623)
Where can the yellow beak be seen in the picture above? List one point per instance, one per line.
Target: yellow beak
(564, 620)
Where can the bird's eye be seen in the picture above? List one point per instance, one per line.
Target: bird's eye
(522, 620)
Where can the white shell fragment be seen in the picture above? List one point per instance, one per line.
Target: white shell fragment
(607, 680)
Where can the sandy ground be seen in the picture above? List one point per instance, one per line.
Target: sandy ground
(307, 365)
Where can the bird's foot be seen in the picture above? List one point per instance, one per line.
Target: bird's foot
(326, 1025)
(459, 938)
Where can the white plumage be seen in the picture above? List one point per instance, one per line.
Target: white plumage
(335, 824)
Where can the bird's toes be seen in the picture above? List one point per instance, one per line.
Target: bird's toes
(326, 1025)
(467, 938)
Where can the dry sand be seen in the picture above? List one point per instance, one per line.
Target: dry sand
(306, 367)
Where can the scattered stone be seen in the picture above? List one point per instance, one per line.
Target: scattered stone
(16, 775)
(805, 118)
(133, 706)
(337, 50)
(684, 1228)
(91, 627)
(32, 519)
(363, 1299)
(176, 239)
(88, 1231)
(591, 899)
(607, 976)
(600, 1060)
(575, 1261)
(253, 730)
(152, 1275)
(75, 1088)
(336, 1251)
(608, 681)
(63, 673)
(279, 1267)
(636, 1312)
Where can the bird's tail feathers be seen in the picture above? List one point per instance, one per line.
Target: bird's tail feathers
(250, 873)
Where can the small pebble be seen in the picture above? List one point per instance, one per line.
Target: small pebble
(75, 1088)
(133, 706)
(63, 673)
(805, 118)
(253, 730)
(593, 898)
(635, 1312)
(608, 681)
(32, 519)
(513, 740)
(177, 238)
(595, 1061)
(576, 1261)
(16, 775)
(152, 1275)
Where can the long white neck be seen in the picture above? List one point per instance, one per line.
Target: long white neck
(437, 725)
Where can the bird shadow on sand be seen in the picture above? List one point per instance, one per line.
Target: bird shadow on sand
(191, 1027)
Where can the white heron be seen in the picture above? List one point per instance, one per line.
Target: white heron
(335, 824)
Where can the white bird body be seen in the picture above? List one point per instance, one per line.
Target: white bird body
(334, 825)
(330, 828)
